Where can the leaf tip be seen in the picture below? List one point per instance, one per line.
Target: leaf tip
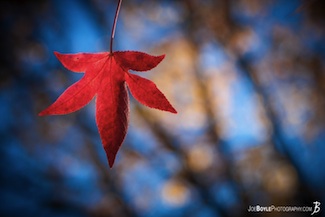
(57, 54)
(174, 111)
(111, 165)
(110, 155)
(111, 161)
(160, 58)
(171, 109)
(42, 113)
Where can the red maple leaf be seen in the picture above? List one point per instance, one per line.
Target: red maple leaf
(106, 76)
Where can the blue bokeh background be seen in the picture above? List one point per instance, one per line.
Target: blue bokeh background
(247, 79)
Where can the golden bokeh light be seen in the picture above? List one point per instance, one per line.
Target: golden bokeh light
(175, 193)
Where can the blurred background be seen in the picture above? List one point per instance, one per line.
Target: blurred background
(246, 77)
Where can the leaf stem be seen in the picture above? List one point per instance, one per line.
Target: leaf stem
(114, 25)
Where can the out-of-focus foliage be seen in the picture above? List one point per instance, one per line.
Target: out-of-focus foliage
(247, 78)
